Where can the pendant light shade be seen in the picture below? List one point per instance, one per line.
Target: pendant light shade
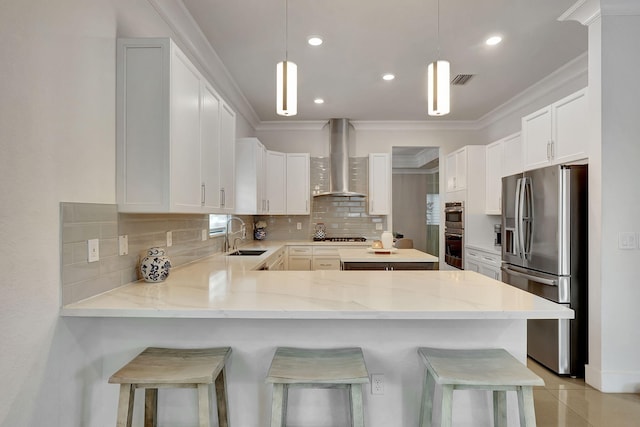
(438, 88)
(287, 88)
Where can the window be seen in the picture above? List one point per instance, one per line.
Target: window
(433, 209)
(217, 225)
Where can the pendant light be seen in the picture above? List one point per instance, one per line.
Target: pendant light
(286, 78)
(438, 82)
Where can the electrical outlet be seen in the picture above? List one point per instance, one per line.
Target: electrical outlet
(93, 250)
(377, 383)
(205, 234)
(299, 226)
(627, 240)
(169, 238)
(378, 226)
(123, 245)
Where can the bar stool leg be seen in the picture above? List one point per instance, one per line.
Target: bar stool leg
(527, 410)
(204, 405)
(221, 399)
(151, 407)
(125, 405)
(357, 407)
(279, 405)
(426, 408)
(447, 400)
(499, 408)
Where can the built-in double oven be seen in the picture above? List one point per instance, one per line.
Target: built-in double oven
(454, 234)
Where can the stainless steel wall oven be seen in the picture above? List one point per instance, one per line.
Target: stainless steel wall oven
(454, 234)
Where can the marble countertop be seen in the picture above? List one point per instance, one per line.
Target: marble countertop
(221, 286)
(399, 255)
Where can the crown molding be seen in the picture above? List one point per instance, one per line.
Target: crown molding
(620, 7)
(583, 11)
(191, 38)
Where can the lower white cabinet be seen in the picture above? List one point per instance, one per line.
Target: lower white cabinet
(326, 258)
(484, 262)
(299, 258)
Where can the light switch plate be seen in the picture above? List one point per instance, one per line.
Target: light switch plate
(169, 238)
(205, 234)
(93, 250)
(299, 226)
(627, 240)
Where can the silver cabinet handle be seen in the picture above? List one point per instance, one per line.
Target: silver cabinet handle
(221, 197)
(203, 194)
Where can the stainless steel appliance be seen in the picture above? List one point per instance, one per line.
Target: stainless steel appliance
(544, 251)
(454, 234)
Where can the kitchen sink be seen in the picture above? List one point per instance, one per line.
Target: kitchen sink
(247, 252)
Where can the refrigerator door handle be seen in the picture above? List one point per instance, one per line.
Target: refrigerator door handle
(519, 217)
(538, 279)
(528, 231)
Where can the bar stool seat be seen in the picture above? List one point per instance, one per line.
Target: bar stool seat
(317, 368)
(485, 369)
(156, 368)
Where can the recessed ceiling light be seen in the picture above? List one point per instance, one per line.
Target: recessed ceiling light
(494, 40)
(319, 101)
(388, 77)
(314, 41)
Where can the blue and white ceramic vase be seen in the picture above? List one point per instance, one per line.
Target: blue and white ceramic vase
(260, 233)
(155, 266)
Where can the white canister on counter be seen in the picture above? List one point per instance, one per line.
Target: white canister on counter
(387, 240)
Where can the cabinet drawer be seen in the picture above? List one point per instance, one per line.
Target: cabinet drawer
(326, 263)
(330, 251)
(300, 250)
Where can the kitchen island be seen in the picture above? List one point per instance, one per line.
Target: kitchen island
(386, 259)
(220, 301)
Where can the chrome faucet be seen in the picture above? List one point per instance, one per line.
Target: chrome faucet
(243, 230)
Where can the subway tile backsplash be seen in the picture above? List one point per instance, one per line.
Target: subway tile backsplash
(83, 221)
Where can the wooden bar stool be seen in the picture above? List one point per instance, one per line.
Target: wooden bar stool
(317, 368)
(156, 368)
(484, 369)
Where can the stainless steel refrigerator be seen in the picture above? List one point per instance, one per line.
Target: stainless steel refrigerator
(545, 252)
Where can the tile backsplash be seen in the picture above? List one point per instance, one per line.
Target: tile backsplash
(83, 221)
(342, 216)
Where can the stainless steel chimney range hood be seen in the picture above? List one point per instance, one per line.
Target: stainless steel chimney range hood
(339, 160)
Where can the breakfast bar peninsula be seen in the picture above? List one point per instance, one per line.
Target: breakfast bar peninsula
(222, 301)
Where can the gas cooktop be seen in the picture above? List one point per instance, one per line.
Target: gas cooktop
(341, 239)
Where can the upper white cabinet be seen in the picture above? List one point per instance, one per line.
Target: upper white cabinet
(556, 134)
(227, 159)
(503, 158)
(250, 177)
(379, 184)
(171, 131)
(276, 175)
(456, 170)
(298, 187)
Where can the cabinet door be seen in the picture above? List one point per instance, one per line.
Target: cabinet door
(456, 170)
(326, 263)
(227, 157)
(489, 271)
(450, 171)
(276, 188)
(379, 184)
(570, 136)
(298, 186)
(299, 263)
(210, 147)
(537, 138)
(186, 185)
(512, 155)
(494, 178)
(472, 266)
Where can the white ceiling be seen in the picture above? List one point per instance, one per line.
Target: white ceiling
(364, 39)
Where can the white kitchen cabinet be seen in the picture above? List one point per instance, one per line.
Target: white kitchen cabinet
(503, 158)
(250, 177)
(326, 258)
(484, 262)
(298, 184)
(299, 258)
(379, 184)
(168, 133)
(276, 189)
(227, 158)
(556, 133)
(456, 170)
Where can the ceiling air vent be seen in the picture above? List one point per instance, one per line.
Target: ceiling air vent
(461, 79)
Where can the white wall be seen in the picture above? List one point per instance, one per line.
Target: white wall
(57, 141)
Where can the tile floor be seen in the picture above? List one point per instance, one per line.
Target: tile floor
(568, 402)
